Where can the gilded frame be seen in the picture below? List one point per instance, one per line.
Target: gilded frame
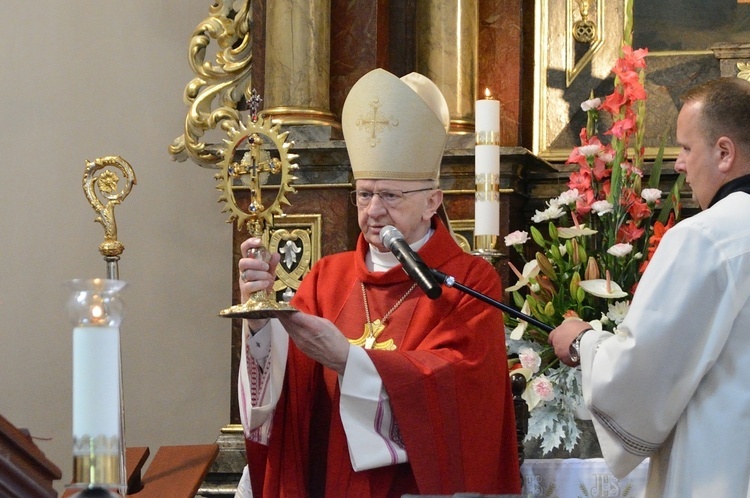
(562, 80)
(305, 229)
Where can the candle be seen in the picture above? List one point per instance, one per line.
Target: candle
(487, 168)
(487, 114)
(96, 382)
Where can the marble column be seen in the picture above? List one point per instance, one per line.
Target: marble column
(297, 62)
(447, 34)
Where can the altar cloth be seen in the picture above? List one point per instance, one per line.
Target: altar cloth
(585, 478)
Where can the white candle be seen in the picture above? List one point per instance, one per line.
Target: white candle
(487, 198)
(487, 115)
(96, 382)
(487, 167)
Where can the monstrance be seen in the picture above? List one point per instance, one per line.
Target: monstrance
(254, 153)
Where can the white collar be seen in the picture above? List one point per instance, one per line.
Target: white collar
(379, 261)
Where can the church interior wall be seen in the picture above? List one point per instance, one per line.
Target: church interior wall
(83, 80)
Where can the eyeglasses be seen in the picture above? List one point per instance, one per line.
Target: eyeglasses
(391, 198)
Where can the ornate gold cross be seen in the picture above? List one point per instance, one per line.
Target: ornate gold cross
(370, 334)
(254, 163)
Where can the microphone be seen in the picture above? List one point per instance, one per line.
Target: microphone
(413, 265)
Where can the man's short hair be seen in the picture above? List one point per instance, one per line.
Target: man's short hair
(725, 110)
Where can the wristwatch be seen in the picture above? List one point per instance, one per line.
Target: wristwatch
(575, 346)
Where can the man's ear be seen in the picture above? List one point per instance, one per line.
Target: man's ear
(433, 203)
(727, 152)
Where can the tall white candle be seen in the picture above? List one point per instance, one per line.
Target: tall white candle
(487, 167)
(487, 205)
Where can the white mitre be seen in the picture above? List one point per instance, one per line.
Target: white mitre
(395, 128)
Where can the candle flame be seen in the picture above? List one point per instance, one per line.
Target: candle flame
(487, 93)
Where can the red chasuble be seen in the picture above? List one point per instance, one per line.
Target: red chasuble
(447, 380)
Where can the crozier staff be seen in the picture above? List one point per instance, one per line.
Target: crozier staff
(381, 391)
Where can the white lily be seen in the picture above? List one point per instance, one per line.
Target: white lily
(530, 270)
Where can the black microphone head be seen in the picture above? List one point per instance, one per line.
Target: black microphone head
(389, 234)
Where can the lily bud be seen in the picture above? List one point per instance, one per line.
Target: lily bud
(574, 281)
(575, 253)
(549, 309)
(547, 288)
(545, 266)
(537, 236)
(592, 269)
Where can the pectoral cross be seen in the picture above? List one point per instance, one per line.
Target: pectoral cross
(370, 334)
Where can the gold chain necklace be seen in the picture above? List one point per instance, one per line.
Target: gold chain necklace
(374, 328)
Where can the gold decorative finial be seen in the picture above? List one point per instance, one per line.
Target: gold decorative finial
(105, 184)
(584, 30)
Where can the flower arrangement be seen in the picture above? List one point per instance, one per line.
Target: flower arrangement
(593, 242)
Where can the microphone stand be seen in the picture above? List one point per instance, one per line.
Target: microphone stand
(517, 380)
(451, 282)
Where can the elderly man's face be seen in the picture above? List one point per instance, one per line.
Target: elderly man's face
(409, 213)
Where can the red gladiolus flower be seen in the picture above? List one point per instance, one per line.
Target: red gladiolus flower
(653, 242)
(635, 205)
(581, 179)
(622, 127)
(629, 232)
(584, 202)
(631, 59)
(613, 103)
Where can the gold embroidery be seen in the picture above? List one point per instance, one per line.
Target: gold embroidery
(374, 124)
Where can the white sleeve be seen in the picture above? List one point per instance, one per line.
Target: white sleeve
(655, 362)
(259, 388)
(371, 432)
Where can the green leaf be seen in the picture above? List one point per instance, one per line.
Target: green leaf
(672, 203)
(653, 181)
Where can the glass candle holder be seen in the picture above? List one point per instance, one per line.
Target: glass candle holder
(96, 311)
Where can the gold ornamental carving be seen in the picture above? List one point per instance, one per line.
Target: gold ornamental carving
(213, 95)
(584, 30)
(257, 155)
(743, 70)
(101, 180)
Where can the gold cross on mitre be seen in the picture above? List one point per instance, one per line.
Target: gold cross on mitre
(374, 124)
(371, 332)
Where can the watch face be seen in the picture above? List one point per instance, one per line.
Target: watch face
(573, 353)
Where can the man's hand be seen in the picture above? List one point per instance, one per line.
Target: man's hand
(563, 335)
(318, 338)
(255, 275)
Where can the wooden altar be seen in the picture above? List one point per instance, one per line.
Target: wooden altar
(25, 472)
